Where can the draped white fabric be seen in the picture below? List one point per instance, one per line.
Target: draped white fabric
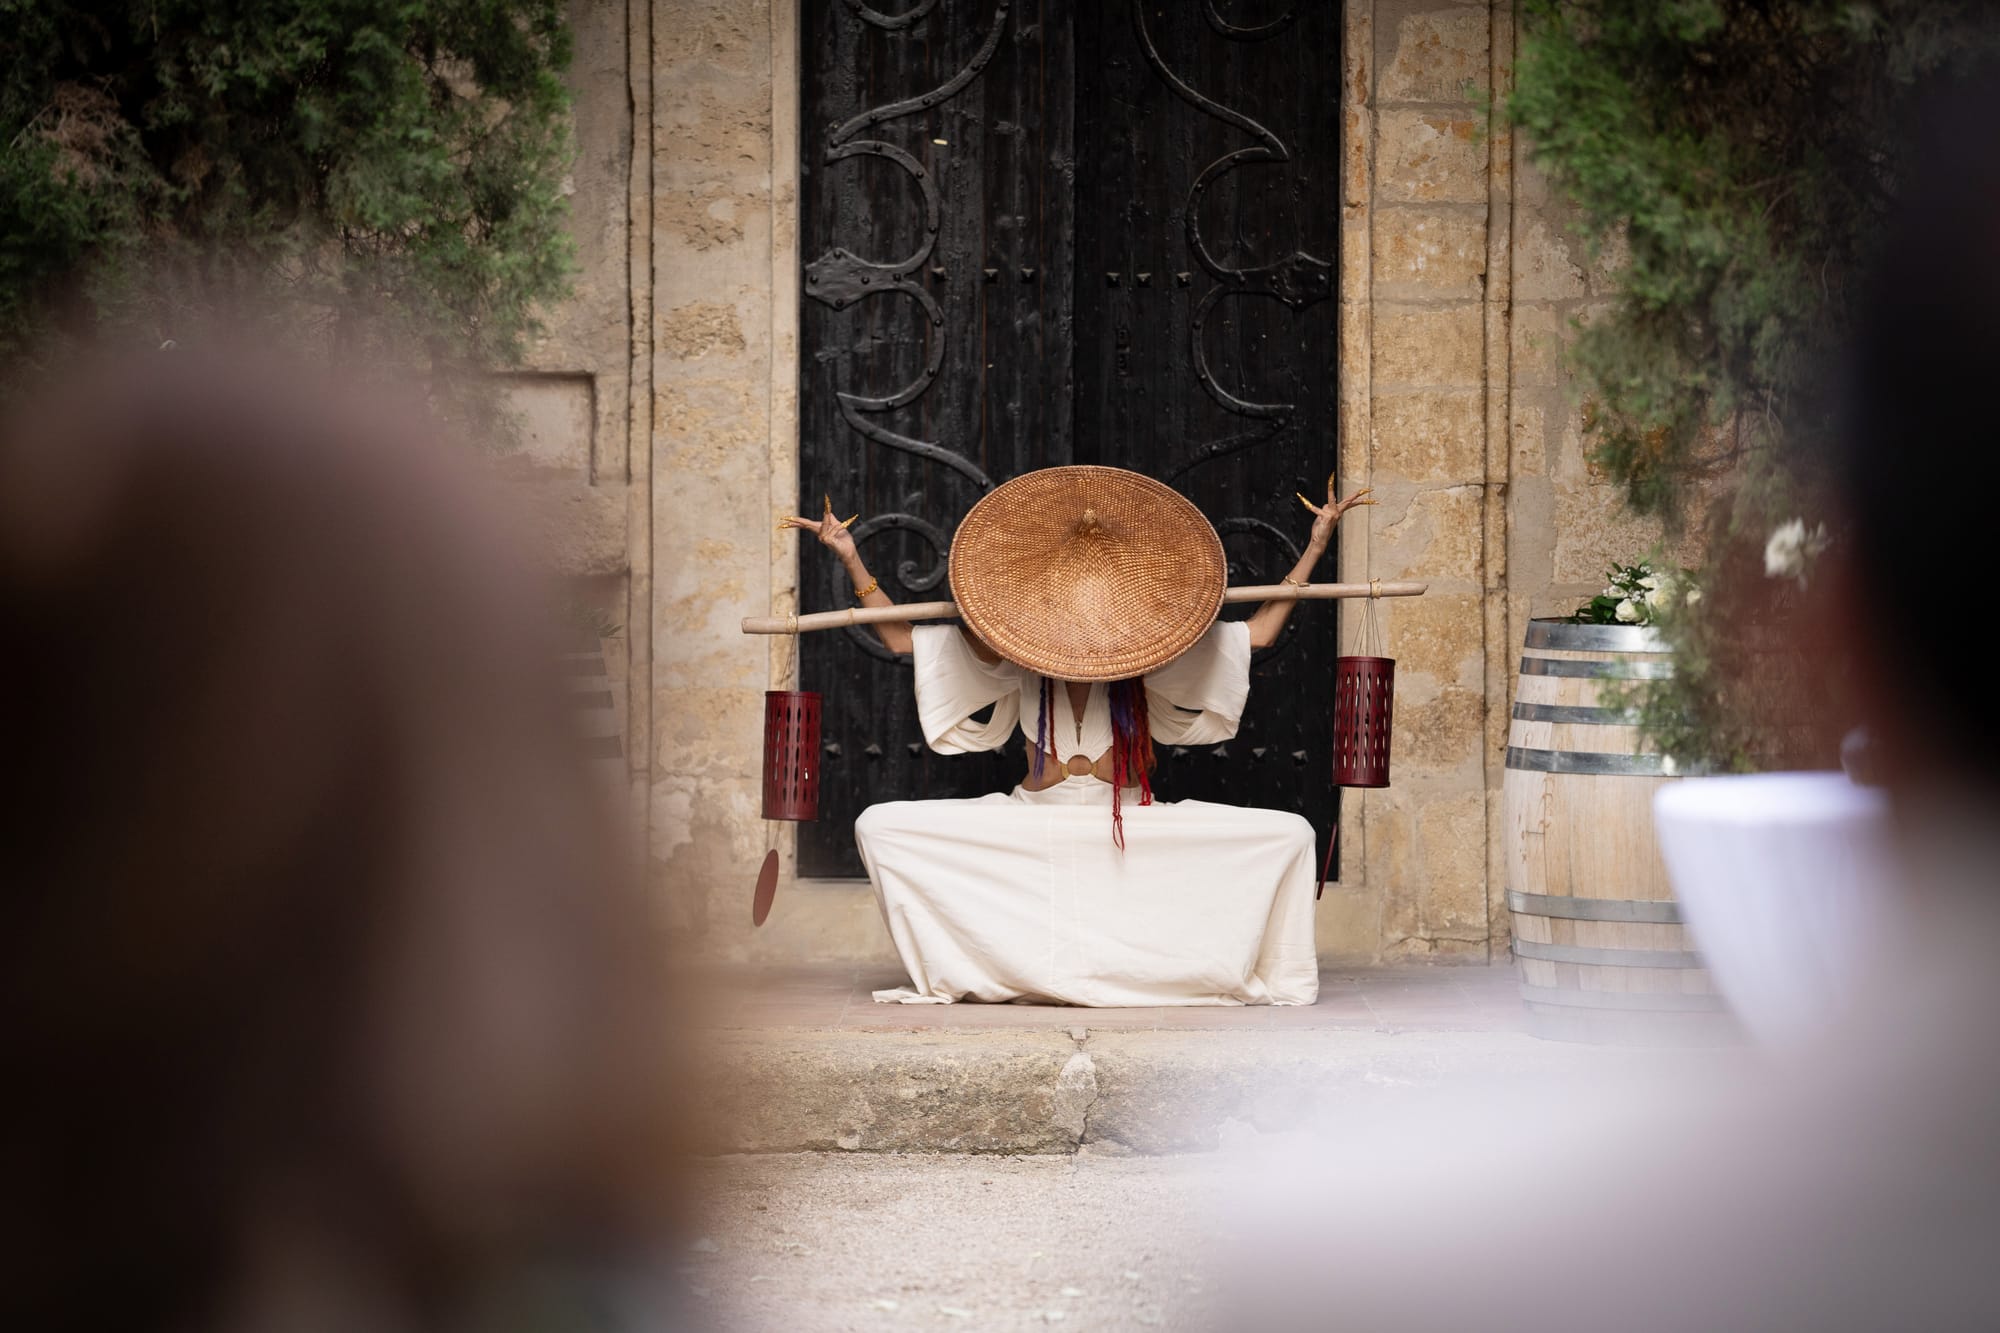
(1024, 896)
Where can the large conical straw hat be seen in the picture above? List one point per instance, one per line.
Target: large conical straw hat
(1087, 573)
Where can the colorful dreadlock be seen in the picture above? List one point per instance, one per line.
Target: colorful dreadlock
(1131, 750)
(1042, 725)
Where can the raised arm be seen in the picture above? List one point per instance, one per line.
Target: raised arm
(833, 534)
(1270, 618)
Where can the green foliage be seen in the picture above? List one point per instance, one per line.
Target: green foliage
(1740, 157)
(1743, 697)
(383, 173)
(1635, 595)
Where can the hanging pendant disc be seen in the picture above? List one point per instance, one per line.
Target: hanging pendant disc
(767, 888)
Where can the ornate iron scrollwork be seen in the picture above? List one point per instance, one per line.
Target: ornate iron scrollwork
(924, 101)
(1287, 549)
(840, 279)
(1235, 33)
(891, 21)
(1299, 279)
(913, 576)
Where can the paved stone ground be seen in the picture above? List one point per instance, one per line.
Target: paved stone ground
(832, 996)
(817, 1241)
(801, 1060)
(881, 1167)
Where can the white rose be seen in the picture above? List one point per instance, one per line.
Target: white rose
(1693, 596)
(1650, 581)
(1785, 551)
(1791, 548)
(1627, 612)
(1659, 599)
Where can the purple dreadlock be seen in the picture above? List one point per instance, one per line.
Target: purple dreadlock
(1131, 745)
(1042, 725)
(1131, 750)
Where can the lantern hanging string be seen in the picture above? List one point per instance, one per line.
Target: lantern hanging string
(1370, 639)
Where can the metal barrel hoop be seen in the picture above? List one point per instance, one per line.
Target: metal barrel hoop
(1595, 763)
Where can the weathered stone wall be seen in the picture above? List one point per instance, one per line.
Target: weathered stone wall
(1466, 281)
(1418, 216)
(713, 380)
(1458, 284)
(574, 396)
(724, 341)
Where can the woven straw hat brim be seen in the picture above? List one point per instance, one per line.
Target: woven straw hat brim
(1087, 573)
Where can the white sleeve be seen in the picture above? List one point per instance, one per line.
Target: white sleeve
(953, 684)
(1197, 699)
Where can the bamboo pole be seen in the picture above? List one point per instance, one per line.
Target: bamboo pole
(874, 615)
(854, 615)
(1320, 592)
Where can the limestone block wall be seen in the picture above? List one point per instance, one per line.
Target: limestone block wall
(581, 433)
(724, 373)
(574, 394)
(1458, 283)
(712, 212)
(1566, 523)
(1463, 280)
(1420, 207)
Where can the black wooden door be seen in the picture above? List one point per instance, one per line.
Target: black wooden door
(1066, 231)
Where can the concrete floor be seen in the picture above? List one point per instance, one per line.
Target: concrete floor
(801, 1059)
(830, 996)
(814, 1241)
(1110, 1220)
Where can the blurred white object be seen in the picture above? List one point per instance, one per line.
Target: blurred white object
(1785, 880)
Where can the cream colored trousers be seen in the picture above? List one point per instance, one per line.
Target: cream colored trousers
(1024, 896)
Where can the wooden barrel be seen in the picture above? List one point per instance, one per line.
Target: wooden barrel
(1597, 936)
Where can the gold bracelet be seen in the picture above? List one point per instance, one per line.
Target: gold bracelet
(1296, 583)
(873, 584)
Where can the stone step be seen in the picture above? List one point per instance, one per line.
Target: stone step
(1161, 1091)
(1034, 1080)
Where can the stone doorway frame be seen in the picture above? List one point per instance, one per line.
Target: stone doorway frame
(838, 919)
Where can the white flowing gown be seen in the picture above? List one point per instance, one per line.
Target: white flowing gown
(1023, 895)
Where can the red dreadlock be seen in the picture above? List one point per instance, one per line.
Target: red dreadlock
(1131, 750)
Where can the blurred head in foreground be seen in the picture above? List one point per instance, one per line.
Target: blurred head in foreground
(323, 1000)
(1852, 1184)
(1920, 469)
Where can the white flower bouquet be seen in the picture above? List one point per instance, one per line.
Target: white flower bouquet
(1636, 594)
(1793, 548)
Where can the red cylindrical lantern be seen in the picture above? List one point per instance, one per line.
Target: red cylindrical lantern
(1364, 691)
(791, 754)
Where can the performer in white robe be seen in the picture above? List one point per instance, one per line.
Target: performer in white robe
(1026, 895)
